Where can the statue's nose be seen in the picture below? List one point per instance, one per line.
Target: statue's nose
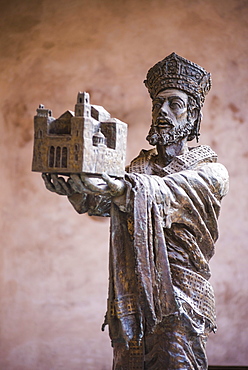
(164, 109)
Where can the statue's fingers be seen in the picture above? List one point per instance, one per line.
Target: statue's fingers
(89, 184)
(47, 180)
(57, 185)
(76, 183)
(55, 181)
(76, 178)
(65, 186)
(107, 178)
(83, 179)
(110, 182)
(116, 186)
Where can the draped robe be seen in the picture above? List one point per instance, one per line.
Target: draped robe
(163, 229)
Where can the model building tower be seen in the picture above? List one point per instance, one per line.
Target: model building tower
(88, 140)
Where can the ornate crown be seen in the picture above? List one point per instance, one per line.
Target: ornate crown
(178, 73)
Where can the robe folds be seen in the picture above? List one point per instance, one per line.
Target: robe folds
(163, 230)
(162, 238)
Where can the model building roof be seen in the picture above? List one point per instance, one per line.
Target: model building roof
(61, 125)
(99, 113)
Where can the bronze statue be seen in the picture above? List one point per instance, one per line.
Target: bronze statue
(163, 229)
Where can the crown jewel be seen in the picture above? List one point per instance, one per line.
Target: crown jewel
(175, 72)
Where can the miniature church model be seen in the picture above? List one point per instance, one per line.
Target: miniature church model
(88, 141)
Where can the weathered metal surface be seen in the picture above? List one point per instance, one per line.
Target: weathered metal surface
(164, 215)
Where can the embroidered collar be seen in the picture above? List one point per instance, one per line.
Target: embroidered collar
(191, 159)
(145, 162)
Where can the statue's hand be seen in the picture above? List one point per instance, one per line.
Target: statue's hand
(84, 184)
(57, 184)
(104, 185)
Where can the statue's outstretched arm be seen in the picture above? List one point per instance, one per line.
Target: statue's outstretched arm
(86, 194)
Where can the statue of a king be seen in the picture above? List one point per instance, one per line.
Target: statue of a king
(163, 228)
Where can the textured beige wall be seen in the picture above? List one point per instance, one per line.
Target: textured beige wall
(53, 274)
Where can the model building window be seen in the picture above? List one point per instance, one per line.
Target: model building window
(51, 156)
(58, 157)
(64, 157)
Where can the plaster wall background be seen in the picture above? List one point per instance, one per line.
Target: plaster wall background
(53, 262)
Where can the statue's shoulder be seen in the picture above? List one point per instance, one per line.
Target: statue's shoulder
(204, 161)
(140, 163)
(199, 155)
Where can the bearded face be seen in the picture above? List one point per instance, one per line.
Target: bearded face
(170, 119)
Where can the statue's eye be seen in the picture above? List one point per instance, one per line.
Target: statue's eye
(156, 106)
(176, 104)
(157, 103)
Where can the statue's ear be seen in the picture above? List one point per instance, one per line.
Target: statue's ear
(196, 117)
(195, 114)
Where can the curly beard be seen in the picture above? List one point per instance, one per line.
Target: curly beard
(155, 137)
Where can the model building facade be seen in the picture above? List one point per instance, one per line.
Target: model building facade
(87, 140)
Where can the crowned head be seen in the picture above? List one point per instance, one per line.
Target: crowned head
(177, 73)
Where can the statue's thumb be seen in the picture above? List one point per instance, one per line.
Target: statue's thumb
(107, 178)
